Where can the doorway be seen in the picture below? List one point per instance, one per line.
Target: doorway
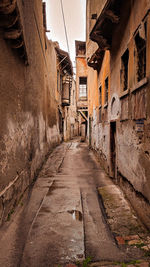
(113, 149)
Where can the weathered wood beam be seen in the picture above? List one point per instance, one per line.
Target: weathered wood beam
(83, 115)
(13, 34)
(111, 15)
(9, 8)
(100, 40)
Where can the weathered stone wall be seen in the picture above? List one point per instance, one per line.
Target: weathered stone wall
(133, 147)
(28, 113)
(125, 108)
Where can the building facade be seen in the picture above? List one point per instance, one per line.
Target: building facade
(81, 87)
(31, 106)
(118, 55)
(66, 95)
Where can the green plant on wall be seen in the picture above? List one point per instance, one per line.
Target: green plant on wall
(86, 261)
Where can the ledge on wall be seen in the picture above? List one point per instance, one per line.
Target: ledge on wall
(124, 93)
(139, 84)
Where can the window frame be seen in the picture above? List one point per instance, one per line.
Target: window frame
(140, 54)
(124, 73)
(83, 88)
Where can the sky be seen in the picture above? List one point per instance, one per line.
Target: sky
(74, 11)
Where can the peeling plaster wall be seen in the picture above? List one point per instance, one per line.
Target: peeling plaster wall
(28, 108)
(132, 146)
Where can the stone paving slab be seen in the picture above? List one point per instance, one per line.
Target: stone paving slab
(123, 221)
(121, 218)
(138, 263)
(57, 232)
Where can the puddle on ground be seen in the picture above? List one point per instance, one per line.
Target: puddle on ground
(76, 215)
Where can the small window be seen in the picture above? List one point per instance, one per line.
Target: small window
(81, 49)
(140, 42)
(124, 70)
(106, 91)
(83, 87)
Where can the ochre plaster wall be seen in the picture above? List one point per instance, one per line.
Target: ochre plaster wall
(132, 147)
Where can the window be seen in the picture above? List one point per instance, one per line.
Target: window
(106, 91)
(100, 104)
(124, 70)
(140, 42)
(81, 49)
(83, 87)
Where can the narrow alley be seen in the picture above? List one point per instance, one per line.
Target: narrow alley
(63, 218)
(74, 133)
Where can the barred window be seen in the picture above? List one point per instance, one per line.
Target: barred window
(83, 87)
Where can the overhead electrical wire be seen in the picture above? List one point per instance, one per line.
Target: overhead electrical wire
(63, 15)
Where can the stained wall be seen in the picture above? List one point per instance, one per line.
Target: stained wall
(128, 109)
(28, 107)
